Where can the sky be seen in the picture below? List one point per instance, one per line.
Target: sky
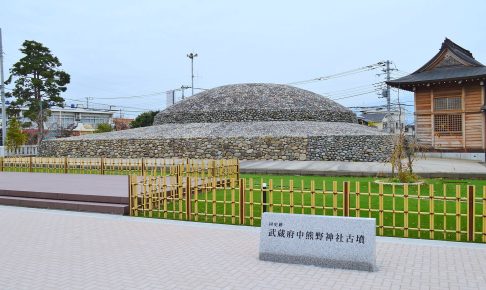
(129, 53)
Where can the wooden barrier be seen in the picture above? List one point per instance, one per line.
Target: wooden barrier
(452, 212)
(180, 168)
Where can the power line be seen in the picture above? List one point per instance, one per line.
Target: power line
(355, 95)
(352, 89)
(132, 97)
(129, 107)
(338, 75)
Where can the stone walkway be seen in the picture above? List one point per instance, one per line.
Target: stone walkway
(428, 168)
(47, 249)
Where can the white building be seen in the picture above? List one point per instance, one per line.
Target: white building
(384, 121)
(79, 120)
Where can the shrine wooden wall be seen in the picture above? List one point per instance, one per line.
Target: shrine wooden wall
(473, 120)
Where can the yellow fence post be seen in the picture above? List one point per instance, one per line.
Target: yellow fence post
(196, 196)
(130, 194)
(380, 210)
(241, 183)
(484, 214)
(313, 197)
(233, 202)
(358, 205)
(188, 198)
(65, 165)
(252, 202)
(102, 166)
(431, 212)
(291, 195)
(133, 195)
(334, 199)
(270, 195)
(150, 196)
(237, 169)
(214, 204)
(143, 167)
(471, 213)
(346, 198)
(405, 210)
(458, 212)
(1, 164)
(30, 164)
(180, 195)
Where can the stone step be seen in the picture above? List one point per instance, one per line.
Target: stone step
(84, 197)
(98, 207)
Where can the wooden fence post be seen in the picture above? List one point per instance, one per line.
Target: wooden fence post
(241, 183)
(143, 167)
(66, 165)
(470, 213)
(102, 166)
(133, 194)
(431, 212)
(213, 170)
(346, 198)
(484, 214)
(30, 164)
(237, 169)
(380, 210)
(264, 198)
(1, 164)
(188, 198)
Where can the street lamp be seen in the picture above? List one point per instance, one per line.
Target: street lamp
(192, 56)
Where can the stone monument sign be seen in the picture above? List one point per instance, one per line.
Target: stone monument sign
(327, 241)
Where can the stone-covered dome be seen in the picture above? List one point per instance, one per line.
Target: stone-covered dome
(255, 102)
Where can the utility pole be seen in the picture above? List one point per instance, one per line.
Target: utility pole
(2, 93)
(388, 86)
(192, 56)
(386, 93)
(183, 88)
(87, 102)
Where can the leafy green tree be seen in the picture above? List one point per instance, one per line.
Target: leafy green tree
(38, 84)
(144, 120)
(103, 128)
(15, 136)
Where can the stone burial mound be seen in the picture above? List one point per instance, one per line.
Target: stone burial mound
(245, 121)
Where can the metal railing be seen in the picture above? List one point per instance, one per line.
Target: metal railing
(25, 150)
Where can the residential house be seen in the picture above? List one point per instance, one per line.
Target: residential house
(75, 120)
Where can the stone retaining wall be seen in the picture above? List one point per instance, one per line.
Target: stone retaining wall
(341, 148)
(249, 115)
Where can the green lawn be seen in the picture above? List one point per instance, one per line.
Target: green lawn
(220, 209)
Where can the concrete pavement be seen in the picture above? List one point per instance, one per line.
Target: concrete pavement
(429, 167)
(47, 249)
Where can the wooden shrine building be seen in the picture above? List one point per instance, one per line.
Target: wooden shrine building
(449, 100)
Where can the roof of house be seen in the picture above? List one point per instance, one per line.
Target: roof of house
(451, 63)
(374, 117)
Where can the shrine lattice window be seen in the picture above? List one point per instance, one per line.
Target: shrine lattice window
(449, 124)
(447, 104)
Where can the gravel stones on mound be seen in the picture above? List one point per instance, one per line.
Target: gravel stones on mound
(236, 129)
(255, 102)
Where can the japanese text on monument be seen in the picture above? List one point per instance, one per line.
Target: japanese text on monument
(278, 230)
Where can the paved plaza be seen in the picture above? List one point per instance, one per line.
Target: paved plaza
(48, 249)
(424, 167)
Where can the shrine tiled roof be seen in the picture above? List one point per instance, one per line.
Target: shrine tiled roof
(451, 63)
